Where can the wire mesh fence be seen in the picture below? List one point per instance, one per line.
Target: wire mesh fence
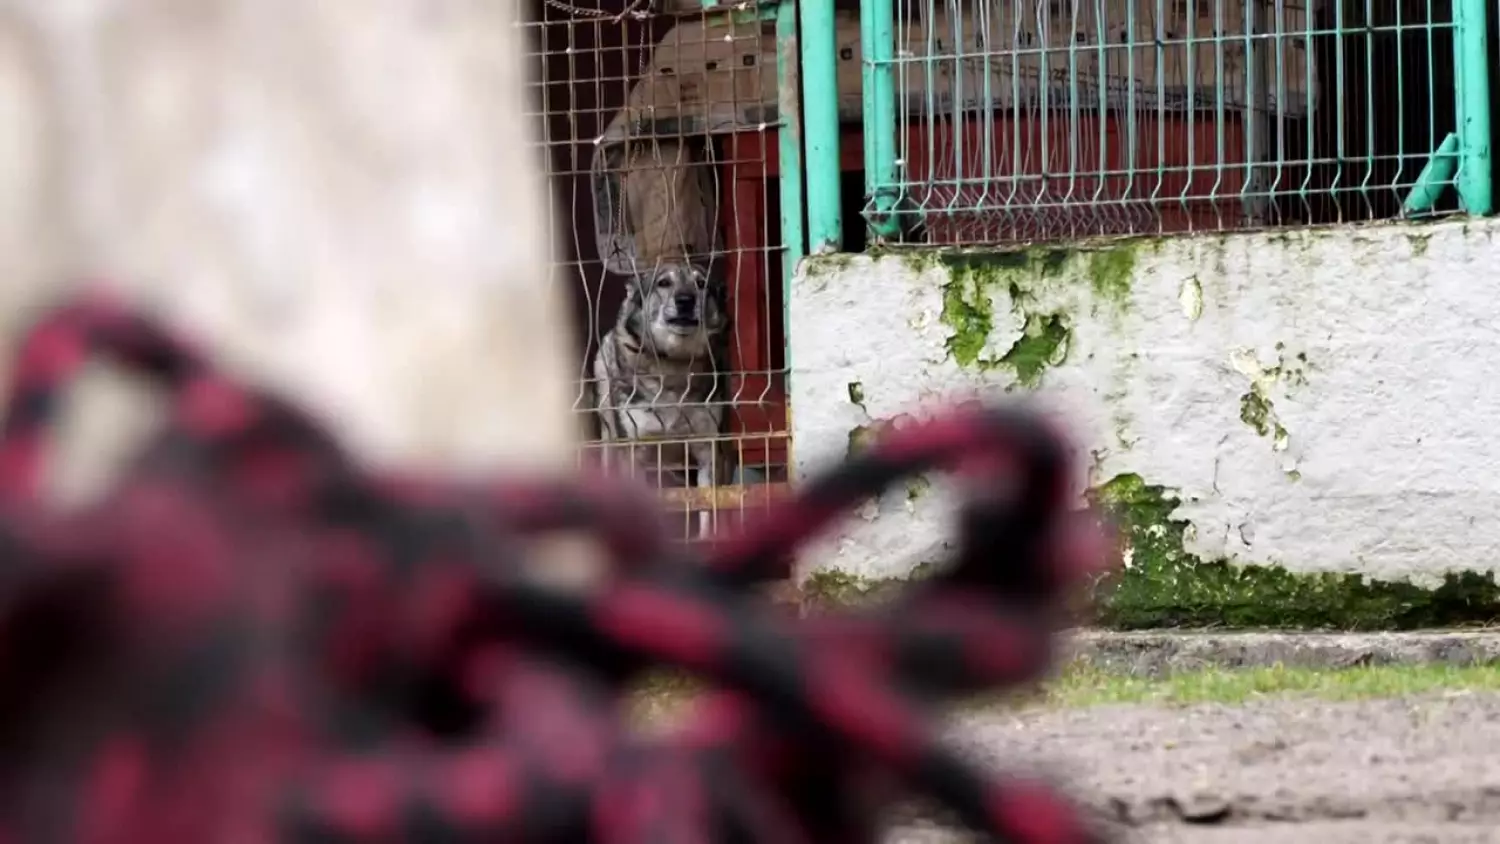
(661, 122)
(1026, 120)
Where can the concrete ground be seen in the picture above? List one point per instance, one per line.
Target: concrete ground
(1153, 653)
(1282, 771)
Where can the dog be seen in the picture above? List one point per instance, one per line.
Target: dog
(659, 374)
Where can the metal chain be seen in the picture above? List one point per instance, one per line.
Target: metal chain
(644, 51)
(633, 10)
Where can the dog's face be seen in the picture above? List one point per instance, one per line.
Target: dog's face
(683, 309)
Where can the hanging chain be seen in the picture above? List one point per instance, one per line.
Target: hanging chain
(634, 10)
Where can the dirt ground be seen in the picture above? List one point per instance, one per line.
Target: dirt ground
(1421, 769)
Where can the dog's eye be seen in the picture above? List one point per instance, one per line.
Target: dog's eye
(702, 281)
(664, 282)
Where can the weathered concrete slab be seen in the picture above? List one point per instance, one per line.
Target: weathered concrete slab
(1257, 409)
(1279, 772)
(1151, 654)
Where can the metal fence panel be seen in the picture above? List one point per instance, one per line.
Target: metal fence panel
(993, 121)
(672, 132)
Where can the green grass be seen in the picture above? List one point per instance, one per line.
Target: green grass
(1081, 685)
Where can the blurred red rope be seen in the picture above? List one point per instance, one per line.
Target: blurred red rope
(252, 639)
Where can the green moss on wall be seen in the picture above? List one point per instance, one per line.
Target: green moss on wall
(1111, 271)
(831, 588)
(817, 266)
(860, 438)
(918, 261)
(1256, 411)
(1043, 345)
(977, 278)
(969, 302)
(1256, 408)
(969, 315)
(1165, 585)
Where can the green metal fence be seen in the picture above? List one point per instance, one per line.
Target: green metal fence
(994, 121)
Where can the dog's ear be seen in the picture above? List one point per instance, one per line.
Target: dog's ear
(716, 280)
(631, 308)
(711, 274)
(634, 285)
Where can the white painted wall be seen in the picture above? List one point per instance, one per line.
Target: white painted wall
(340, 198)
(1390, 463)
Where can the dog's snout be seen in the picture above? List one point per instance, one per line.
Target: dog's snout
(685, 301)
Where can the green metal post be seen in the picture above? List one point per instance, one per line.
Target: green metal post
(789, 151)
(877, 28)
(789, 137)
(820, 125)
(1436, 176)
(1471, 55)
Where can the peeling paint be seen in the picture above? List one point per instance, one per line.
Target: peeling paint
(977, 281)
(977, 277)
(829, 588)
(916, 488)
(1257, 412)
(1043, 345)
(970, 318)
(860, 438)
(1191, 299)
(857, 395)
(1256, 407)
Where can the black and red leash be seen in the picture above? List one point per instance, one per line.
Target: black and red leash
(254, 639)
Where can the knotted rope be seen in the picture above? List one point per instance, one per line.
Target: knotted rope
(254, 639)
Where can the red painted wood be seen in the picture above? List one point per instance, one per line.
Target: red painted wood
(756, 340)
(1172, 180)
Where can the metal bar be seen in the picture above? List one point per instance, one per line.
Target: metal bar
(730, 498)
(789, 138)
(820, 125)
(1434, 178)
(1471, 55)
(878, 47)
(790, 169)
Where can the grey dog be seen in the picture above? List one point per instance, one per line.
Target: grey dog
(659, 374)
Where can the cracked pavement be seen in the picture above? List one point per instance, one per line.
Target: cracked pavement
(1421, 769)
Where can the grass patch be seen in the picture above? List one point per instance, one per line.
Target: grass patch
(1083, 685)
(660, 697)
